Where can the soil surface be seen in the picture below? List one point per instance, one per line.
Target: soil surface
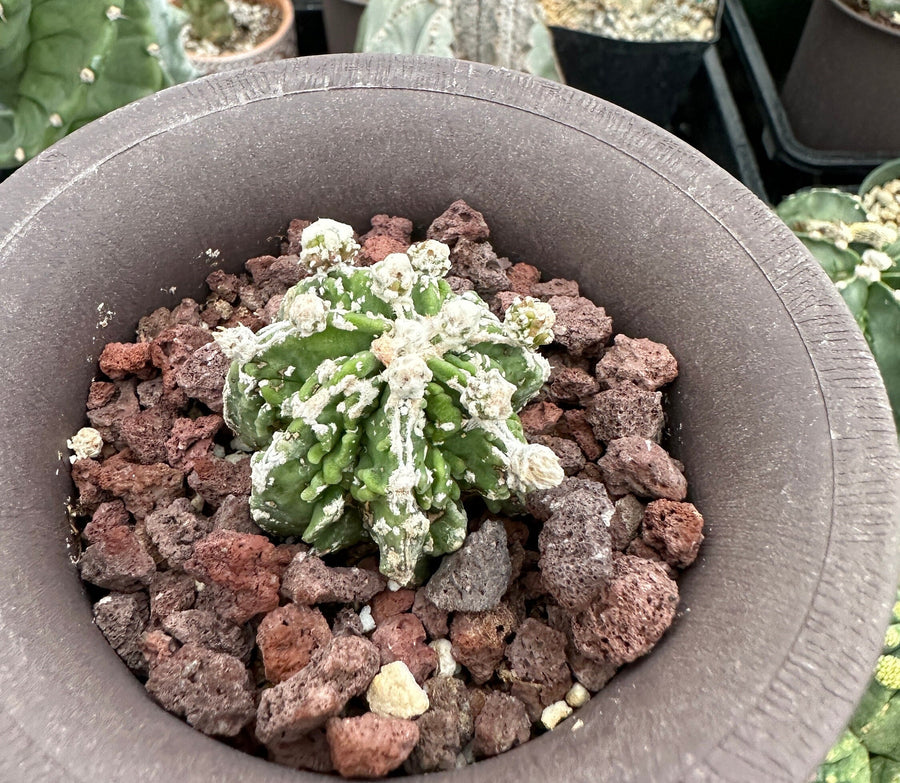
(636, 20)
(253, 24)
(319, 663)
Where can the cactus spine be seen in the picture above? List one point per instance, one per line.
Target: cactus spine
(379, 396)
(64, 63)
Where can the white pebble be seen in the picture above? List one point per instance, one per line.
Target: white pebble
(365, 617)
(395, 693)
(578, 696)
(447, 665)
(86, 443)
(554, 714)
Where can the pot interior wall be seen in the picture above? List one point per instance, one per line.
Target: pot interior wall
(614, 204)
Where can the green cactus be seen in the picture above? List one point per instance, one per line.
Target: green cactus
(508, 33)
(862, 258)
(64, 63)
(210, 20)
(379, 396)
(846, 762)
(886, 8)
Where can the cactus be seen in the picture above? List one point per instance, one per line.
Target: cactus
(887, 9)
(64, 63)
(378, 396)
(862, 258)
(210, 20)
(508, 33)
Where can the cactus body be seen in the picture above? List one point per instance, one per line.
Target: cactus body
(65, 63)
(210, 20)
(508, 33)
(379, 396)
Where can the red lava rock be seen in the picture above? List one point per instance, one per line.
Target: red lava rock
(170, 591)
(387, 603)
(592, 674)
(459, 285)
(576, 552)
(186, 312)
(154, 324)
(626, 521)
(335, 674)
(241, 565)
(157, 646)
(643, 468)
(287, 638)
(223, 285)
(675, 530)
(211, 690)
(538, 655)
(581, 327)
(501, 302)
(146, 433)
(141, 487)
(458, 220)
(175, 530)
(641, 362)
(397, 228)
(630, 615)
(309, 581)
(522, 277)
(310, 752)
(558, 286)
(215, 479)
(402, 638)
(502, 724)
(370, 746)
(119, 360)
(438, 745)
(101, 393)
(479, 263)
(639, 548)
(571, 457)
(122, 618)
(233, 513)
(575, 425)
(171, 348)
(107, 516)
(115, 559)
(479, 639)
(626, 411)
(571, 385)
(540, 418)
(378, 247)
(202, 375)
(347, 623)
(206, 629)
(275, 275)
(190, 439)
(433, 618)
(291, 243)
(107, 419)
(451, 695)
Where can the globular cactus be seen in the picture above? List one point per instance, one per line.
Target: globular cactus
(861, 256)
(65, 63)
(378, 397)
(210, 20)
(508, 33)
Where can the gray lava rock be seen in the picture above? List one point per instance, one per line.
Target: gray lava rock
(122, 617)
(641, 467)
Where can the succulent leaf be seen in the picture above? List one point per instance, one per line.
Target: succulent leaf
(378, 397)
(820, 205)
(847, 762)
(883, 332)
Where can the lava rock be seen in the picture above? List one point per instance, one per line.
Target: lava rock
(402, 638)
(581, 327)
(501, 724)
(175, 530)
(309, 581)
(480, 638)
(626, 411)
(370, 746)
(122, 618)
(288, 637)
(643, 468)
(641, 362)
(205, 629)
(675, 530)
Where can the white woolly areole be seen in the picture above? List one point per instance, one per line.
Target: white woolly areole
(430, 257)
(406, 336)
(533, 466)
(488, 396)
(877, 259)
(308, 313)
(326, 243)
(460, 317)
(407, 376)
(86, 444)
(530, 321)
(868, 273)
(393, 277)
(238, 343)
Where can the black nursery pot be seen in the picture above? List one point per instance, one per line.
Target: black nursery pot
(778, 414)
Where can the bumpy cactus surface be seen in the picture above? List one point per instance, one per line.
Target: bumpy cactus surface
(210, 20)
(379, 396)
(862, 257)
(64, 63)
(508, 33)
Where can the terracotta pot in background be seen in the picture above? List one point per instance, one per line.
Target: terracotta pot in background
(778, 413)
(841, 92)
(281, 45)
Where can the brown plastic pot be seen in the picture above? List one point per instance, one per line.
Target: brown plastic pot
(841, 90)
(278, 46)
(778, 415)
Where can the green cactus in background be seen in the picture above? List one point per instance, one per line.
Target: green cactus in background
(379, 396)
(508, 33)
(861, 256)
(210, 20)
(63, 63)
(890, 9)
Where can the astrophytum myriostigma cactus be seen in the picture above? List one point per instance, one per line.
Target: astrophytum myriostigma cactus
(379, 396)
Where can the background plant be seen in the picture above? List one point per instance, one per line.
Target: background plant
(64, 63)
(210, 20)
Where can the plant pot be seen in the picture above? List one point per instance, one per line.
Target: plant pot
(778, 26)
(841, 91)
(280, 45)
(341, 20)
(778, 414)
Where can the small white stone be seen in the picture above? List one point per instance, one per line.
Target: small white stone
(395, 693)
(447, 665)
(577, 696)
(393, 586)
(86, 444)
(366, 619)
(554, 714)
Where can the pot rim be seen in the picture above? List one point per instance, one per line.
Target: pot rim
(866, 19)
(287, 21)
